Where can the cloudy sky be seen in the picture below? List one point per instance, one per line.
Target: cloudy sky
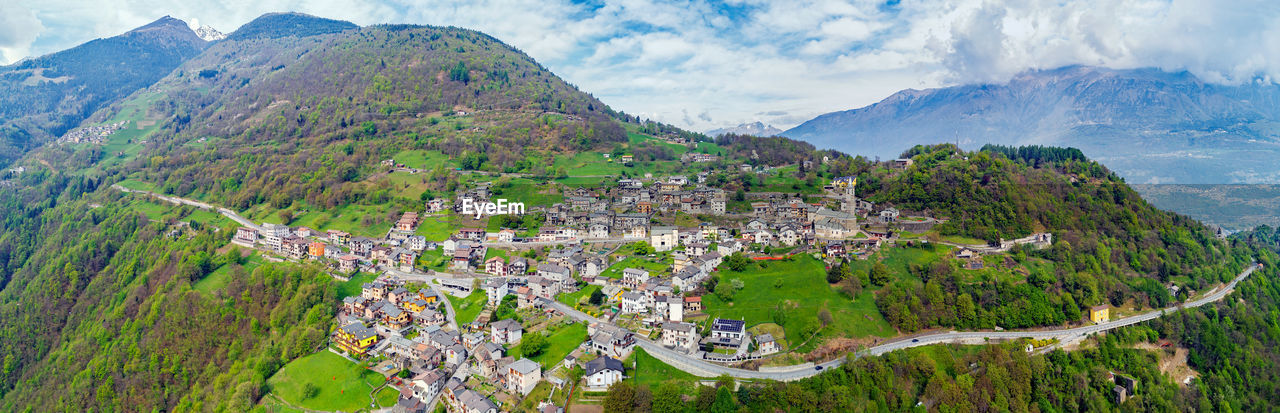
(707, 64)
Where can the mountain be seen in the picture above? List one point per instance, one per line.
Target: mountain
(209, 34)
(277, 25)
(43, 97)
(754, 129)
(1149, 125)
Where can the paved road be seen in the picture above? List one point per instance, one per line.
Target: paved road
(703, 368)
(202, 205)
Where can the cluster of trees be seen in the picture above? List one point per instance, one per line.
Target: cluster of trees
(1110, 246)
(1037, 155)
(766, 151)
(98, 309)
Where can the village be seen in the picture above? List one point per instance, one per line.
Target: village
(602, 266)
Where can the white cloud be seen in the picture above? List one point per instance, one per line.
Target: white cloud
(696, 64)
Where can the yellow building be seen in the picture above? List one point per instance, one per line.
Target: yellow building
(355, 338)
(1100, 314)
(415, 305)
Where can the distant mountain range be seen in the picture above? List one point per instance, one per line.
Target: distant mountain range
(754, 129)
(1149, 125)
(43, 97)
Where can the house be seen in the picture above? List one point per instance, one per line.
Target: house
(338, 237)
(664, 238)
(507, 235)
(611, 341)
(902, 163)
(634, 302)
(555, 273)
(965, 253)
(889, 215)
(506, 331)
(727, 248)
(765, 344)
(697, 248)
(1100, 314)
(632, 278)
(688, 278)
(523, 375)
(416, 243)
(429, 317)
(598, 231)
(496, 266)
(495, 289)
(427, 385)
(356, 339)
(470, 401)
(246, 236)
(348, 263)
(518, 266)
(626, 158)
(455, 354)
(727, 333)
(602, 372)
(681, 336)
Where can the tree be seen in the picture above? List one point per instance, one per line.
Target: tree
(737, 262)
(879, 274)
(533, 344)
(825, 317)
(724, 401)
(666, 398)
(286, 217)
(620, 398)
(641, 248)
(310, 390)
(597, 297)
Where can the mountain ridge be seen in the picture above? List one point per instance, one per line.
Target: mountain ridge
(1146, 122)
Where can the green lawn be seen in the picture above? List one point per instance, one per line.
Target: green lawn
(437, 228)
(351, 287)
(469, 307)
(362, 220)
(571, 299)
(343, 385)
(804, 291)
(530, 192)
(538, 394)
(425, 160)
(562, 339)
(651, 371)
(221, 276)
(643, 263)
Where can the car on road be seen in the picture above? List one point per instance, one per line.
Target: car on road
(915, 340)
(819, 368)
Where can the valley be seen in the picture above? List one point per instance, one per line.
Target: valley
(285, 219)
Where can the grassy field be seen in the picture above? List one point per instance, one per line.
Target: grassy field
(425, 160)
(650, 371)
(538, 394)
(571, 299)
(342, 385)
(528, 191)
(562, 340)
(469, 307)
(615, 271)
(221, 276)
(125, 144)
(352, 287)
(437, 228)
(803, 292)
(349, 218)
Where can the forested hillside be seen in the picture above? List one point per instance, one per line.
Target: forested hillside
(308, 118)
(42, 98)
(1111, 247)
(101, 315)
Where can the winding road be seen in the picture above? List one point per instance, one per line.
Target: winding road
(703, 368)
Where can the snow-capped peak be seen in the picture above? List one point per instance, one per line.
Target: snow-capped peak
(209, 34)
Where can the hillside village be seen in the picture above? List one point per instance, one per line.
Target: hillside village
(602, 265)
